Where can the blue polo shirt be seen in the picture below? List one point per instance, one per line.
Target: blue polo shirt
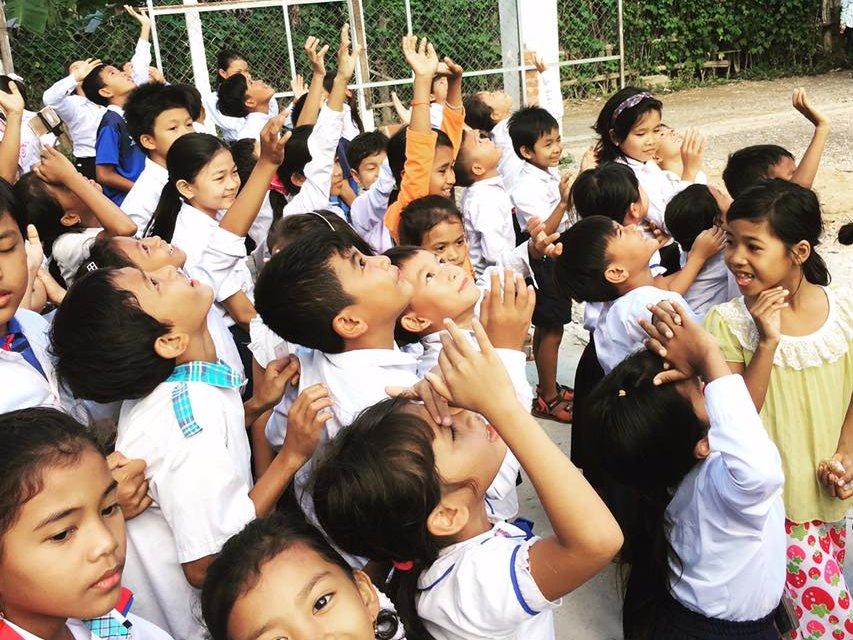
(114, 146)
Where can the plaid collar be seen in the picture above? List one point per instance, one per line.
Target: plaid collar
(216, 373)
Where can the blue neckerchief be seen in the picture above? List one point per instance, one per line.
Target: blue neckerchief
(16, 341)
(217, 374)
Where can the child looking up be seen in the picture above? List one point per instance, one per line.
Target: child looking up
(156, 116)
(365, 155)
(791, 338)
(241, 96)
(62, 534)
(748, 166)
(697, 456)
(457, 575)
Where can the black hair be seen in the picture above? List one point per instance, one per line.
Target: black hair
(606, 190)
(148, 101)
(690, 212)
(42, 210)
(10, 205)
(579, 270)
(92, 85)
(397, 155)
(238, 566)
(103, 342)
(750, 165)
(231, 96)
(845, 234)
(296, 110)
(285, 231)
(792, 213)
(192, 98)
(399, 256)
(462, 164)
(621, 125)
(103, 254)
(365, 144)
(298, 294)
(296, 156)
(188, 155)
(226, 57)
(478, 115)
(31, 441)
(328, 82)
(528, 125)
(6, 80)
(646, 440)
(422, 214)
(243, 152)
(383, 463)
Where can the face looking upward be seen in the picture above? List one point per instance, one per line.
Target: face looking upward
(150, 254)
(629, 250)
(13, 269)
(500, 103)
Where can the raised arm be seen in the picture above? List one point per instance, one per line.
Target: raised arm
(707, 244)
(316, 56)
(12, 104)
(806, 171)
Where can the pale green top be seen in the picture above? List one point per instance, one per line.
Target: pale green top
(810, 386)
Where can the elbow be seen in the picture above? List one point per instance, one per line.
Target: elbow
(195, 574)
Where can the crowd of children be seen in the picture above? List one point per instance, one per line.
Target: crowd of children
(273, 384)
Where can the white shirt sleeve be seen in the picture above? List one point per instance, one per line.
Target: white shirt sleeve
(56, 94)
(140, 62)
(368, 211)
(70, 250)
(530, 199)
(552, 99)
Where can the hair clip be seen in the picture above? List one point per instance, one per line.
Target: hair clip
(92, 266)
(621, 393)
(404, 566)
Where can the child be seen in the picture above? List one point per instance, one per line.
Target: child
(435, 223)
(457, 575)
(539, 191)
(792, 340)
(271, 561)
(421, 159)
(118, 159)
(69, 211)
(750, 165)
(688, 214)
(668, 154)
(156, 116)
(365, 154)
(698, 457)
(246, 98)
(62, 534)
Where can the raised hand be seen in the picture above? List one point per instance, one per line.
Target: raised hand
(801, 103)
(305, 422)
(692, 153)
(54, 167)
(12, 102)
(447, 67)
(139, 15)
(710, 242)
(34, 250)
(297, 85)
(420, 56)
(316, 55)
(82, 68)
(405, 114)
(541, 244)
(505, 311)
(347, 59)
(272, 141)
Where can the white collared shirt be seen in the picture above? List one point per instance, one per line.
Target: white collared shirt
(70, 250)
(81, 115)
(618, 333)
(200, 485)
(726, 521)
(483, 588)
(252, 125)
(144, 196)
(368, 211)
(487, 213)
(713, 285)
(141, 629)
(659, 187)
(229, 125)
(536, 192)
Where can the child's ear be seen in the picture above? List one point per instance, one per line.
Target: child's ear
(634, 213)
(354, 175)
(222, 74)
(348, 325)
(250, 103)
(185, 189)
(105, 93)
(614, 139)
(147, 141)
(367, 593)
(702, 449)
(171, 345)
(801, 252)
(410, 321)
(615, 273)
(297, 178)
(526, 152)
(69, 219)
(449, 517)
(477, 169)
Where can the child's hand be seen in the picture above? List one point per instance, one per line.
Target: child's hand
(566, 182)
(472, 379)
(692, 153)
(85, 68)
(268, 391)
(54, 167)
(540, 243)
(55, 292)
(305, 422)
(436, 406)
(801, 103)
(272, 140)
(12, 102)
(35, 252)
(448, 68)
(403, 113)
(659, 234)
(589, 160)
(297, 85)
(156, 76)
(347, 60)
(132, 490)
(506, 311)
(836, 474)
(139, 15)
(724, 201)
(317, 57)
(539, 63)
(709, 243)
(421, 57)
(766, 311)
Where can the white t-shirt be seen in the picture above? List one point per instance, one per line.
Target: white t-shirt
(536, 192)
(368, 211)
(713, 285)
(252, 125)
(487, 214)
(140, 629)
(70, 250)
(144, 196)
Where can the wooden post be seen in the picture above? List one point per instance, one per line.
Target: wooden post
(5, 47)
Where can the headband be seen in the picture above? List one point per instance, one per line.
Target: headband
(627, 103)
(322, 217)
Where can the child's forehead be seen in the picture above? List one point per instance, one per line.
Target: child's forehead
(8, 224)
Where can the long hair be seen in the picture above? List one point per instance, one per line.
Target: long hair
(623, 121)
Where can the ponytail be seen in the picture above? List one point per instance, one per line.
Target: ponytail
(815, 269)
(165, 216)
(404, 589)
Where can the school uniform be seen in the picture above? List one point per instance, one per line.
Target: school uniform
(713, 285)
(483, 588)
(142, 199)
(115, 147)
(487, 212)
(618, 334)
(30, 144)
(190, 431)
(70, 250)
(253, 124)
(114, 625)
(726, 523)
(367, 212)
(260, 228)
(230, 126)
(81, 116)
(659, 187)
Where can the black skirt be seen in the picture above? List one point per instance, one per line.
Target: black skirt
(676, 622)
(552, 310)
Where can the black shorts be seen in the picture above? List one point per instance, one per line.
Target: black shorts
(552, 309)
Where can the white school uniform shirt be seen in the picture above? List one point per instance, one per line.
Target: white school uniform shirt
(229, 125)
(368, 211)
(322, 145)
(260, 228)
(140, 629)
(144, 196)
(536, 192)
(658, 187)
(252, 125)
(726, 520)
(482, 588)
(191, 433)
(80, 115)
(487, 212)
(72, 249)
(713, 285)
(30, 145)
(618, 334)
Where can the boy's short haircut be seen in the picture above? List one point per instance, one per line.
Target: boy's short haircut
(579, 270)
(232, 96)
(296, 156)
(39, 208)
(226, 57)
(243, 151)
(399, 256)
(397, 150)
(689, 213)
(92, 85)
(478, 115)
(529, 124)
(606, 190)
(9, 207)
(462, 165)
(103, 255)
(148, 101)
(298, 294)
(422, 214)
(103, 342)
(750, 165)
(365, 145)
(193, 100)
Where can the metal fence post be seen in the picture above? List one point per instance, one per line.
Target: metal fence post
(621, 45)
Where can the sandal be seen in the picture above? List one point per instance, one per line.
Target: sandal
(565, 393)
(557, 410)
